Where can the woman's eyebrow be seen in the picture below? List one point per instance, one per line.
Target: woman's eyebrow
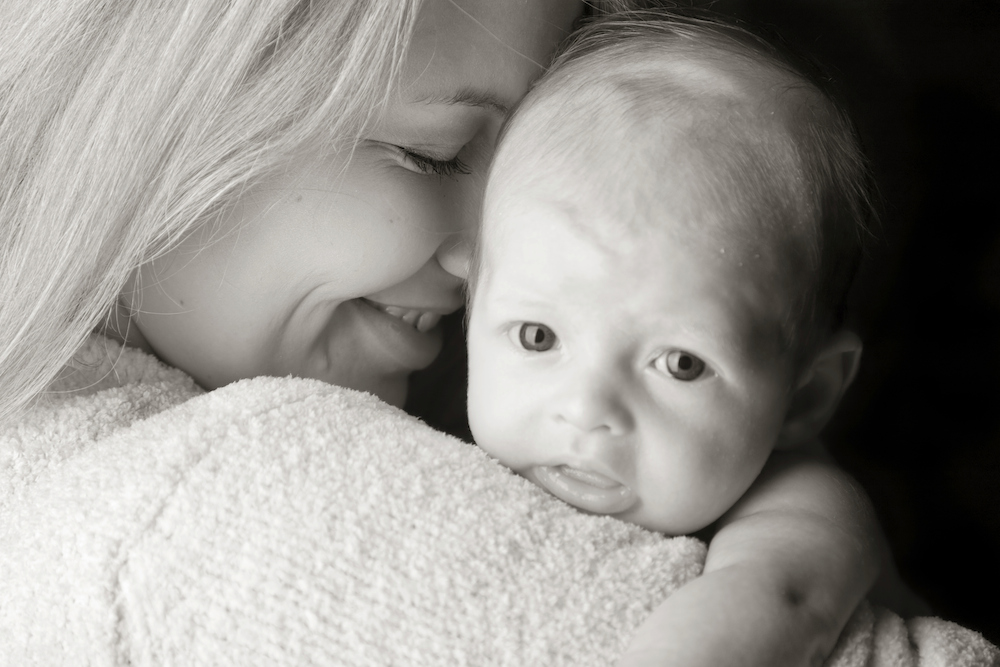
(471, 97)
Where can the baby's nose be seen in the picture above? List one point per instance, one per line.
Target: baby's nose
(594, 406)
(455, 255)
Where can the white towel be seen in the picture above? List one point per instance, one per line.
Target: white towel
(290, 522)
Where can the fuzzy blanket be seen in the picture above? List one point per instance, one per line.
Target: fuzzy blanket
(289, 522)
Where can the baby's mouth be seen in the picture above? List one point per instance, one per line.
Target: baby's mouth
(590, 491)
(421, 320)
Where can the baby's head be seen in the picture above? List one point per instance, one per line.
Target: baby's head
(671, 224)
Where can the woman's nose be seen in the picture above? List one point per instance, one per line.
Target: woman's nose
(594, 404)
(455, 254)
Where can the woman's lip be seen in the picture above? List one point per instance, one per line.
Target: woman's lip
(585, 489)
(421, 319)
(409, 348)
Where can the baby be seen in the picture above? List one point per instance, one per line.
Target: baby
(670, 228)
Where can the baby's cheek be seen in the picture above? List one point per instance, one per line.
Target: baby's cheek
(500, 396)
(485, 373)
(489, 419)
(482, 405)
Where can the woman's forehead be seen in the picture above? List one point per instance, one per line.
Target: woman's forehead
(483, 51)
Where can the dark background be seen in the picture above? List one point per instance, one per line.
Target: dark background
(920, 428)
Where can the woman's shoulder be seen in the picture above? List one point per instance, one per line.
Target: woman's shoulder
(104, 389)
(102, 363)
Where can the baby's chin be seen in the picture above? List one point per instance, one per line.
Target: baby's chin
(672, 527)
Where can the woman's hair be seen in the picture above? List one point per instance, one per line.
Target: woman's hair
(125, 124)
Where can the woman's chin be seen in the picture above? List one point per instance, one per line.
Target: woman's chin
(394, 393)
(392, 389)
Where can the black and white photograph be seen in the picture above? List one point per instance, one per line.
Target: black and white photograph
(499, 333)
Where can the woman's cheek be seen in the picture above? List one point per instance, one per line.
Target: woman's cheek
(395, 220)
(429, 204)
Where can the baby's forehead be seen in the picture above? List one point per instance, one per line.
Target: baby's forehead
(643, 266)
(684, 130)
(688, 143)
(631, 231)
(666, 81)
(647, 109)
(628, 148)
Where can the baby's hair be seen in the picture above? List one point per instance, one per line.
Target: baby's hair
(834, 189)
(124, 125)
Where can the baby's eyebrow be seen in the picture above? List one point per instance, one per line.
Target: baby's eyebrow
(522, 299)
(471, 97)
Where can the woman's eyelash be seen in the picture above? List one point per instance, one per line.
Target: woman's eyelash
(428, 165)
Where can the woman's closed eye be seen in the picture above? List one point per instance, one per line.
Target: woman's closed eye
(426, 164)
(680, 365)
(534, 337)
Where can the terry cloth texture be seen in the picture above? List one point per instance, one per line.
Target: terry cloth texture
(290, 522)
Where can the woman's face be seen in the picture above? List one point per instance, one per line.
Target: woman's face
(340, 267)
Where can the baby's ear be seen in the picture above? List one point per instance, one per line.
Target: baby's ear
(819, 388)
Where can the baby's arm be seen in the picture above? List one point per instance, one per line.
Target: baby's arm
(786, 567)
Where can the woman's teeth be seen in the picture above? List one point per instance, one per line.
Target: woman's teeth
(421, 320)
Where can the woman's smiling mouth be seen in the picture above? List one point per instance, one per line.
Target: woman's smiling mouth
(421, 320)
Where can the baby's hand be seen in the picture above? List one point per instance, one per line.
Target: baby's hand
(785, 570)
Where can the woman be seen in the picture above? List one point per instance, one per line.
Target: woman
(251, 188)
(242, 188)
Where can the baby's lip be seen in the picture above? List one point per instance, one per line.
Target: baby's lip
(585, 489)
(589, 477)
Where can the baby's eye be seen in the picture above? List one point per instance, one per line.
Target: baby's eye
(681, 365)
(425, 164)
(536, 337)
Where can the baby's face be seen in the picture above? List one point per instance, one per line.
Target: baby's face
(637, 377)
